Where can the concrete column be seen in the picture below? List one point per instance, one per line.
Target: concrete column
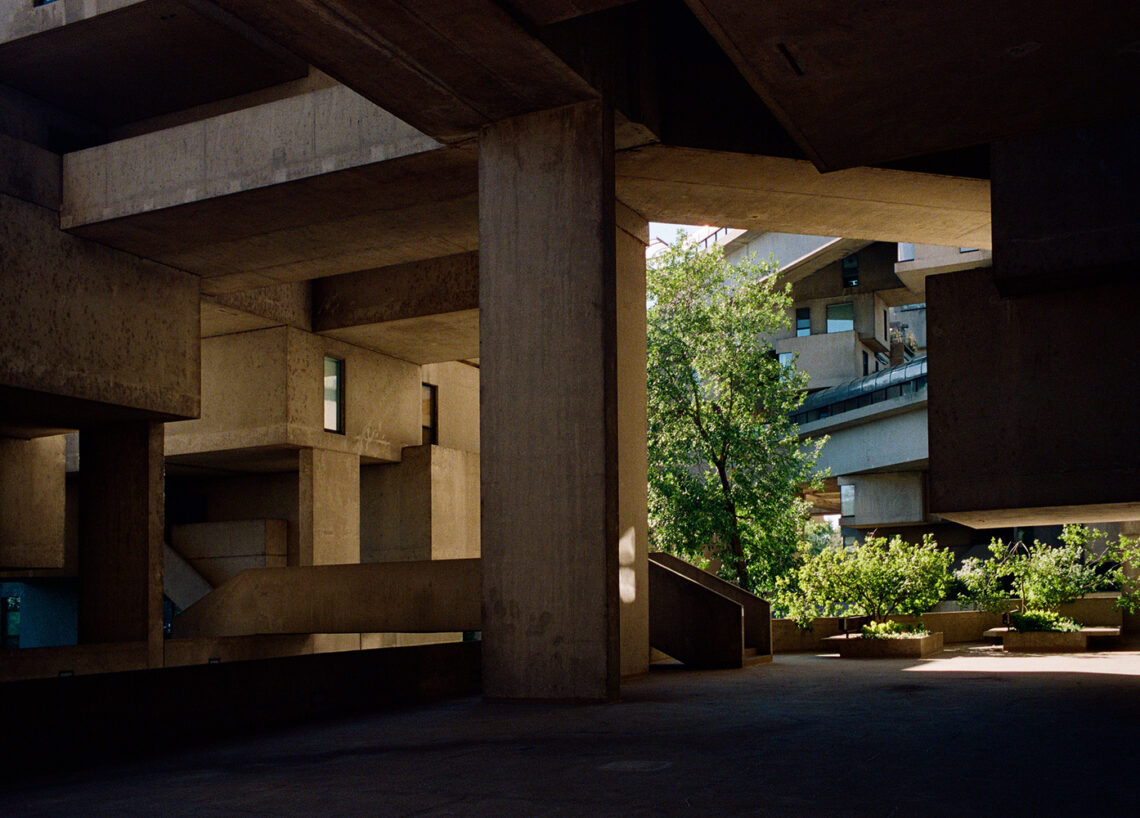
(329, 514)
(32, 502)
(548, 405)
(633, 461)
(120, 535)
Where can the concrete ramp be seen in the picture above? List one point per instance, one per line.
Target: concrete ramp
(427, 596)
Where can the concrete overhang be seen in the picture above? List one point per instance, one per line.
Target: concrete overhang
(309, 186)
(447, 68)
(121, 61)
(1044, 515)
(864, 83)
(691, 186)
(819, 258)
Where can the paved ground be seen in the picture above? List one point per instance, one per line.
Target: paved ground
(971, 732)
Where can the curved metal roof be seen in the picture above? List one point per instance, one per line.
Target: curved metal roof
(903, 373)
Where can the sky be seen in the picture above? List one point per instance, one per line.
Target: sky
(667, 232)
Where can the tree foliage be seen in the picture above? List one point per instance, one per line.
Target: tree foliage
(725, 463)
(877, 578)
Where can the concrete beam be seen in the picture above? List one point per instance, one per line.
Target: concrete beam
(548, 420)
(449, 69)
(117, 334)
(428, 596)
(690, 186)
(424, 312)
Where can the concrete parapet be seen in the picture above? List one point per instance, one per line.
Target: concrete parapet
(430, 596)
(72, 660)
(692, 623)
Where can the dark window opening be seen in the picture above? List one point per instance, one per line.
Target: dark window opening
(851, 271)
(334, 395)
(841, 317)
(429, 402)
(803, 321)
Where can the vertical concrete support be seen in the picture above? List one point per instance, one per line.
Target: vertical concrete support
(32, 502)
(120, 535)
(632, 424)
(329, 514)
(548, 405)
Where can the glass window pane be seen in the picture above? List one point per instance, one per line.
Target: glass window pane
(334, 395)
(841, 317)
(847, 501)
(803, 321)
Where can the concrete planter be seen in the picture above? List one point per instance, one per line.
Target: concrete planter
(1049, 642)
(911, 647)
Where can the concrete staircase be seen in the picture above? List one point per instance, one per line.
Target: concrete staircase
(703, 621)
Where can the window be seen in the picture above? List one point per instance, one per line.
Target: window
(851, 271)
(866, 363)
(430, 411)
(803, 321)
(847, 501)
(334, 395)
(906, 252)
(967, 249)
(841, 317)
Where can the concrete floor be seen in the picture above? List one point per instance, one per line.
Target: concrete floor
(972, 731)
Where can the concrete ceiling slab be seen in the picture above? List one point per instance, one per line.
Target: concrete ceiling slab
(447, 68)
(689, 186)
(864, 83)
(426, 339)
(416, 207)
(171, 55)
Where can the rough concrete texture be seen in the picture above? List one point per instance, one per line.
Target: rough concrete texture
(221, 550)
(58, 293)
(328, 508)
(265, 388)
(856, 647)
(971, 731)
(32, 502)
(548, 346)
(457, 396)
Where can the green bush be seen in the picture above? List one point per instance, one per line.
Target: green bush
(877, 578)
(889, 629)
(1039, 620)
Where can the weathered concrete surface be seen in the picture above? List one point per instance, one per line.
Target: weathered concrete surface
(757, 612)
(171, 55)
(290, 304)
(1040, 642)
(548, 352)
(708, 742)
(424, 312)
(32, 496)
(897, 498)
(632, 425)
(264, 389)
(121, 510)
(1042, 435)
(430, 596)
(58, 292)
(329, 508)
(457, 396)
(693, 623)
(221, 550)
(181, 582)
(856, 647)
(899, 438)
(688, 186)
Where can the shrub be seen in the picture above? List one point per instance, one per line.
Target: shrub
(1125, 574)
(877, 578)
(889, 629)
(1039, 620)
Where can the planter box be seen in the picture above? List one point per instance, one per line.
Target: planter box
(1048, 642)
(911, 647)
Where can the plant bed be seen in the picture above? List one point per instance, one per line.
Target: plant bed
(907, 647)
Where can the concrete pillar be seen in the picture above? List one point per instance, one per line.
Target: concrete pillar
(633, 462)
(120, 535)
(548, 405)
(329, 514)
(32, 502)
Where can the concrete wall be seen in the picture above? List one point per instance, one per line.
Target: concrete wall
(1045, 431)
(425, 507)
(829, 358)
(329, 508)
(58, 294)
(887, 499)
(221, 550)
(458, 398)
(785, 247)
(32, 502)
(265, 388)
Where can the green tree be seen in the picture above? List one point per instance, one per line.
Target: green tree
(877, 578)
(725, 463)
